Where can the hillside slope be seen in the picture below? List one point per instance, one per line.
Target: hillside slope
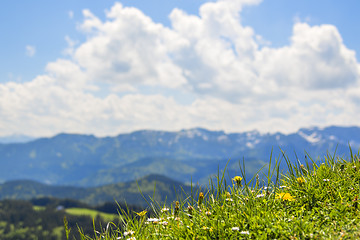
(165, 188)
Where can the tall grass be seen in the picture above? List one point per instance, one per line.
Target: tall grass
(311, 200)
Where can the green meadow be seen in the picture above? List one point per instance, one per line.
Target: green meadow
(310, 200)
(92, 213)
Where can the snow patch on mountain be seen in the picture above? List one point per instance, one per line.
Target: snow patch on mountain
(191, 134)
(312, 138)
(332, 138)
(252, 144)
(222, 138)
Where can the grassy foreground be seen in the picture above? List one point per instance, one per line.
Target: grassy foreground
(312, 200)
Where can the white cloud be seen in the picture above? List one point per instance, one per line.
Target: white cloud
(236, 82)
(30, 50)
(316, 59)
(128, 49)
(219, 54)
(69, 75)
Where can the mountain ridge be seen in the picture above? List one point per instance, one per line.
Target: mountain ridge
(87, 160)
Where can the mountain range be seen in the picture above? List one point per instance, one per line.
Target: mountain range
(186, 155)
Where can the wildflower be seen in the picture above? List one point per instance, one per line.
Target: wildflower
(300, 180)
(132, 238)
(326, 180)
(245, 232)
(235, 228)
(237, 180)
(129, 233)
(260, 195)
(164, 223)
(228, 197)
(190, 209)
(282, 186)
(207, 213)
(201, 198)
(165, 209)
(206, 228)
(285, 196)
(177, 208)
(153, 220)
(142, 213)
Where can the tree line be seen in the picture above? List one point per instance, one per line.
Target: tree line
(21, 220)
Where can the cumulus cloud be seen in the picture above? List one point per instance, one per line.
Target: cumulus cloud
(128, 49)
(316, 59)
(219, 54)
(235, 82)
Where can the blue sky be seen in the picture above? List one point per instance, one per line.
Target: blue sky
(106, 67)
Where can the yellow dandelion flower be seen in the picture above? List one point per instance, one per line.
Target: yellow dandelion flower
(300, 180)
(228, 195)
(237, 180)
(285, 197)
(201, 198)
(142, 213)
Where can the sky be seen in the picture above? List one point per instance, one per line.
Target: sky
(107, 67)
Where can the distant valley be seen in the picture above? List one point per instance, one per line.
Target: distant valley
(187, 155)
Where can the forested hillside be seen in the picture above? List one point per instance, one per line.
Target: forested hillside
(43, 218)
(157, 187)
